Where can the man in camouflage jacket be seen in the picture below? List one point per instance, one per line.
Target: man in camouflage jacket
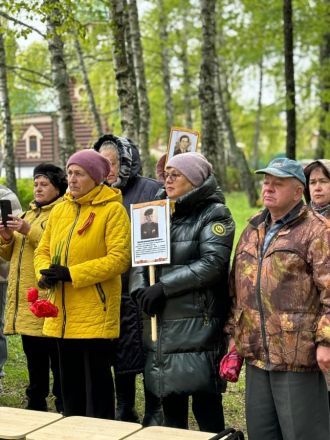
(280, 282)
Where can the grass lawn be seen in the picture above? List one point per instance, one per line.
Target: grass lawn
(16, 377)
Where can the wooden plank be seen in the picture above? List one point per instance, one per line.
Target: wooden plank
(16, 423)
(85, 428)
(162, 433)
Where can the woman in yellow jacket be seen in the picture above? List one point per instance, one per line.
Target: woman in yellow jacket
(92, 230)
(17, 244)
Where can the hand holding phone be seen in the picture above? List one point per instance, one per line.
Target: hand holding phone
(5, 209)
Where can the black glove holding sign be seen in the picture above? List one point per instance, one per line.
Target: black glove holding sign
(151, 299)
(51, 276)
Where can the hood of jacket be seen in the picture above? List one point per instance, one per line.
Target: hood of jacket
(129, 158)
(324, 164)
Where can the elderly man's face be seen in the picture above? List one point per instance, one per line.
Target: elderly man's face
(184, 144)
(280, 194)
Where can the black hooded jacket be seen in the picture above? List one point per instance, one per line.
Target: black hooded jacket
(135, 189)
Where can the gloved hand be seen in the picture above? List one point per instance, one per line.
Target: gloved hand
(152, 299)
(56, 273)
(44, 283)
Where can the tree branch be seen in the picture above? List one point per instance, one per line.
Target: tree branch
(15, 20)
(47, 78)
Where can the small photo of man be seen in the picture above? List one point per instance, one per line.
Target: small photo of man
(149, 228)
(182, 145)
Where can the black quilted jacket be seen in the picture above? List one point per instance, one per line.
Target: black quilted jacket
(190, 341)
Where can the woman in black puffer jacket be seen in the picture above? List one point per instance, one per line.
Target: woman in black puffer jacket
(190, 297)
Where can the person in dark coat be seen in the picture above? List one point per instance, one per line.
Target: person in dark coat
(190, 297)
(125, 174)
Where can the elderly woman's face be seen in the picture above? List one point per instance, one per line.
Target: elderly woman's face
(44, 191)
(319, 187)
(113, 158)
(79, 181)
(176, 184)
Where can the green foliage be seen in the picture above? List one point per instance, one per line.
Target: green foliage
(25, 191)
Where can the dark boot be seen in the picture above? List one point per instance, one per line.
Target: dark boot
(125, 398)
(153, 412)
(37, 405)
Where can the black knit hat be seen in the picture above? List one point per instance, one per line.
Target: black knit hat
(55, 174)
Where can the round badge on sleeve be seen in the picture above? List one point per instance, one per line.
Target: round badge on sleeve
(218, 229)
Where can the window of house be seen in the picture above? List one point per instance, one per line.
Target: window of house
(33, 139)
(33, 144)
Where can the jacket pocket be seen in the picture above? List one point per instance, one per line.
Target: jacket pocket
(294, 344)
(247, 333)
(101, 295)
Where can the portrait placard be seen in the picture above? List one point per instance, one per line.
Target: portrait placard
(150, 227)
(181, 140)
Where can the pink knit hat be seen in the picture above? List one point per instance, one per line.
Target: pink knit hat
(96, 165)
(194, 166)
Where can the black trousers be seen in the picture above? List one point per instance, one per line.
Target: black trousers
(86, 378)
(207, 409)
(41, 354)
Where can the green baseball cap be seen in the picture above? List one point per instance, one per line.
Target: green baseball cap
(284, 167)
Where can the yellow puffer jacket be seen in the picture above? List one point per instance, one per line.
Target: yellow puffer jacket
(95, 233)
(18, 318)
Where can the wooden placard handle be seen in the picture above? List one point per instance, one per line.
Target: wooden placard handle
(153, 318)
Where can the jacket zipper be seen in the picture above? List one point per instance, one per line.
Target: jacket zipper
(101, 295)
(261, 311)
(18, 282)
(65, 263)
(19, 275)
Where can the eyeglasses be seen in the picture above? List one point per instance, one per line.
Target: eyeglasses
(172, 176)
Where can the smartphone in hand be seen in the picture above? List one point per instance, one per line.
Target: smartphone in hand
(5, 209)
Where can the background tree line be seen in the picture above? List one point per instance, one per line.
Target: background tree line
(252, 76)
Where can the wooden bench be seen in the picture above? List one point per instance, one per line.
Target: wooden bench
(162, 433)
(16, 423)
(85, 428)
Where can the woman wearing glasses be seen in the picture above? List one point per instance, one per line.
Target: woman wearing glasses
(190, 297)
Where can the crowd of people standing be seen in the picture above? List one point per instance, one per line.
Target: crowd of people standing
(272, 306)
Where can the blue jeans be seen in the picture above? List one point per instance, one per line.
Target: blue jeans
(3, 340)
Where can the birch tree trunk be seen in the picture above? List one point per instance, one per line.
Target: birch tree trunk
(237, 155)
(61, 82)
(323, 147)
(165, 63)
(9, 160)
(207, 86)
(220, 130)
(141, 83)
(131, 72)
(289, 80)
(183, 56)
(88, 88)
(122, 72)
(258, 119)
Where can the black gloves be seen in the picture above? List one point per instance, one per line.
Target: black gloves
(54, 274)
(43, 283)
(152, 299)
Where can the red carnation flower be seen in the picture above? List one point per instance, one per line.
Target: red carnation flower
(43, 308)
(32, 294)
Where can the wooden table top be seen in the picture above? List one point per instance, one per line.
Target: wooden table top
(85, 428)
(16, 423)
(162, 433)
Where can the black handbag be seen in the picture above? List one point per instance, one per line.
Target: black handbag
(229, 434)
